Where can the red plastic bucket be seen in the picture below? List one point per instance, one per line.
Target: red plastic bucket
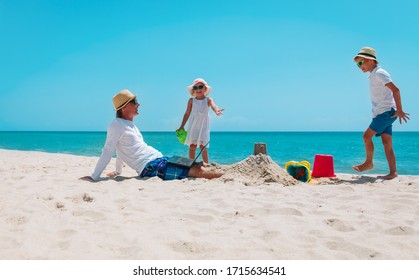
(323, 166)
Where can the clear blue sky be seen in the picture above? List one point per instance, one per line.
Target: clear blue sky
(273, 65)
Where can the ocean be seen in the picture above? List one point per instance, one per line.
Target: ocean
(346, 148)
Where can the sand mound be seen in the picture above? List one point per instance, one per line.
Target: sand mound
(257, 170)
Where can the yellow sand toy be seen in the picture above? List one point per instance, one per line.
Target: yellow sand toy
(299, 170)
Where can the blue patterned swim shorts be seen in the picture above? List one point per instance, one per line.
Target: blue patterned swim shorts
(159, 167)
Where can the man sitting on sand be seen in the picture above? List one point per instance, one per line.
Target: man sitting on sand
(124, 136)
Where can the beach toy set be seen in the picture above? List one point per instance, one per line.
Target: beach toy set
(323, 167)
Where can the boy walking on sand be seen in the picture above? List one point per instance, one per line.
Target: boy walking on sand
(386, 107)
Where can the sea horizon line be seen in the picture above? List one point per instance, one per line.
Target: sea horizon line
(216, 131)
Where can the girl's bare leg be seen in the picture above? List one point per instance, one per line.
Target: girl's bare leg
(204, 155)
(192, 149)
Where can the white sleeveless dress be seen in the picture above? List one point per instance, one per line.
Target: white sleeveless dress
(199, 123)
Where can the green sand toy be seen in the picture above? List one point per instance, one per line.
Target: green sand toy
(181, 135)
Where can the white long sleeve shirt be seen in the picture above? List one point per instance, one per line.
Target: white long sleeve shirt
(124, 136)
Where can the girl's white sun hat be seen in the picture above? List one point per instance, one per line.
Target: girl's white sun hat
(197, 81)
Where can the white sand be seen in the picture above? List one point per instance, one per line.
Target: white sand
(47, 213)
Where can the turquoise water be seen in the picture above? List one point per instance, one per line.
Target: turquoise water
(229, 147)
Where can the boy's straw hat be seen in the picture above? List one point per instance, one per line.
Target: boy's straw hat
(121, 99)
(368, 53)
(197, 81)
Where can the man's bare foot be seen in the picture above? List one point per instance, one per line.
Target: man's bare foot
(363, 167)
(389, 176)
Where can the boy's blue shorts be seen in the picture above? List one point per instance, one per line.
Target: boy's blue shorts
(382, 123)
(159, 167)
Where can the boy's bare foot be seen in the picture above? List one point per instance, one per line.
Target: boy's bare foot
(363, 167)
(389, 176)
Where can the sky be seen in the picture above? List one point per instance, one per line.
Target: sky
(273, 65)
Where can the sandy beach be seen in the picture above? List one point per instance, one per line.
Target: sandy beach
(255, 211)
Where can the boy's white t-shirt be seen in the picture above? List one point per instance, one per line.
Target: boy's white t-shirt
(381, 96)
(124, 136)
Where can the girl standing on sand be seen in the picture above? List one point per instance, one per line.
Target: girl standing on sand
(197, 112)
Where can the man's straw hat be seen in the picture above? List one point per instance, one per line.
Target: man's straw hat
(121, 99)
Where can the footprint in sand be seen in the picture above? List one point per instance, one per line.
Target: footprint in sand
(64, 237)
(81, 198)
(349, 250)
(188, 247)
(60, 206)
(400, 230)
(88, 198)
(17, 220)
(338, 225)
